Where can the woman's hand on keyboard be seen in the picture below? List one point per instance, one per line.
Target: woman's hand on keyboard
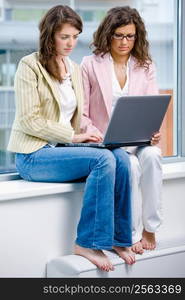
(87, 137)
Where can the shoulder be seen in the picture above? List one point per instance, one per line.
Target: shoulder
(30, 62)
(88, 61)
(30, 59)
(135, 66)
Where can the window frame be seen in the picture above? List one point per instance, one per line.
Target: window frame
(181, 85)
(179, 107)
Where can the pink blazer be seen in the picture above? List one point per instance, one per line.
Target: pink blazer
(97, 82)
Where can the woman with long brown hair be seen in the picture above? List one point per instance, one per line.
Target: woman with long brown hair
(120, 66)
(49, 102)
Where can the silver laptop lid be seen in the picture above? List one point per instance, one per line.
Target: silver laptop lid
(136, 118)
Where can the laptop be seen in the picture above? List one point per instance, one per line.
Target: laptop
(133, 122)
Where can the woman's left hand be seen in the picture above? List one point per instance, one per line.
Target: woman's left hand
(156, 138)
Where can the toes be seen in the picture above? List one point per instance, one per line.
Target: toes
(140, 250)
(129, 259)
(137, 248)
(132, 258)
(144, 245)
(106, 267)
(111, 267)
(134, 249)
(148, 246)
(152, 246)
(103, 267)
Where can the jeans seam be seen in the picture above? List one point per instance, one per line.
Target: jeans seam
(96, 209)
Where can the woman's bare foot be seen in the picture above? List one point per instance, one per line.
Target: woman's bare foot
(97, 257)
(137, 248)
(148, 240)
(125, 253)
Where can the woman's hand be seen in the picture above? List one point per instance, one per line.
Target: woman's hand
(156, 138)
(87, 137)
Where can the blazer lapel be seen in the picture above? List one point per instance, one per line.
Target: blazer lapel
(52, 83)
(133, 77)
(102, 69)
(78, 88)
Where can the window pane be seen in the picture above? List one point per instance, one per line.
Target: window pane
(161, 26)
(6, 118)
(7, 104)
(161, 23)
(3, 68)
(27, 15)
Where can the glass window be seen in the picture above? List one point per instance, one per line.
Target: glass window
(161, 23)
(7, 111)
(3, 68)
(163, 20)
(27, 15)
(8, 65)
(86, 15)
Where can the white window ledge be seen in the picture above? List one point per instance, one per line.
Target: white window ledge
(17, 189)
(174, 170)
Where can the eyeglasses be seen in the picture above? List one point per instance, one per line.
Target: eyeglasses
(119, 36)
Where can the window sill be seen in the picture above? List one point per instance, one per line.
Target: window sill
(18, 189)
(174, 170)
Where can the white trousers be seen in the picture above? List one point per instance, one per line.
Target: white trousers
(146, 181)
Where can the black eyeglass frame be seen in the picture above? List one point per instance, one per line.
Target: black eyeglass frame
(129, 37)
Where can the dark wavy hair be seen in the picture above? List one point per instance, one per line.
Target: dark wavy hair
(121, 16)
(49, 25)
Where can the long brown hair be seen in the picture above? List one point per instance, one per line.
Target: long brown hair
(49, 25)
(121, 16)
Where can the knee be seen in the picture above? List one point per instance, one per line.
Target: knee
(134, 166)
(122, 158)
(107, 158)
(150, 153)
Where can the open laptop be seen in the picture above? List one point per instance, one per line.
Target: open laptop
(133, 122)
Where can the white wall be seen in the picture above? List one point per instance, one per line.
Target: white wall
(38, 229)
(34, 230)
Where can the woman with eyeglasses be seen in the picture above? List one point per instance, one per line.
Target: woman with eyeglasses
(49, 102)
(121, 65)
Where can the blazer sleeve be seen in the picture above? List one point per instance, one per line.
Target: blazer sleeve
(28, 107)
(152, 86)
(86, 122)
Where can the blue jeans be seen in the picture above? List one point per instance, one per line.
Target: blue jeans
(106, 213)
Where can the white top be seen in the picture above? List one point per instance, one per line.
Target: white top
(68, 102)
(68, 98)
(117, 91)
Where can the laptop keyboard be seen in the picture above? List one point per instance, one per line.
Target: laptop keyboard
(96, 145)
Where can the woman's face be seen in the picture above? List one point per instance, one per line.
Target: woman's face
(122, 46)
(66, 39)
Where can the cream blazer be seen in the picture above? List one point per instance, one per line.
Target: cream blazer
(38, 107)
